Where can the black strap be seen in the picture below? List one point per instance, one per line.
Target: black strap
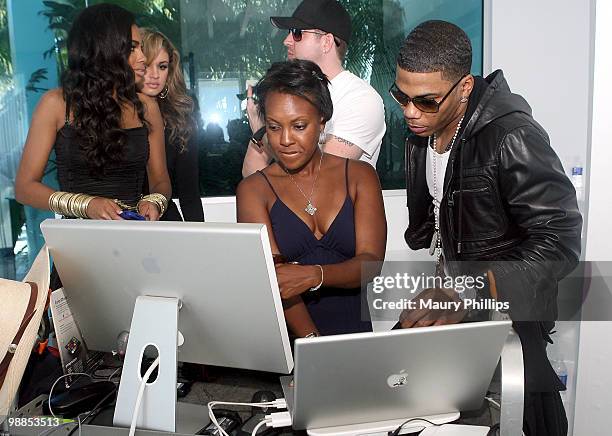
(67, 119)
(346, 165)
(29, 314)
(271, 187)
(258, 136)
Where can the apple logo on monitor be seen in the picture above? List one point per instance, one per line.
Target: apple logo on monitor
(150, 265)
(398, 380)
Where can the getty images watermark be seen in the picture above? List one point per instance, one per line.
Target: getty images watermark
(524, 292)
(398, 291)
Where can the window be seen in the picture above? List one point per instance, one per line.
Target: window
(227, 42)
(224, 44)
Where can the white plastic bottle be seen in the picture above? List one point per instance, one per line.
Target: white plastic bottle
(578, 181)
(561, 369)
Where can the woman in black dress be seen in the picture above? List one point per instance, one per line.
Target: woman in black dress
(105, 135)
(164, 80)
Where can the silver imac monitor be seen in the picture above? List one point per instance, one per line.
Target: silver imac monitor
(215, 283)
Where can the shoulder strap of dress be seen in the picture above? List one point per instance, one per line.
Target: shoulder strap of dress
(67, 120)
(346, 165)
(268, 181)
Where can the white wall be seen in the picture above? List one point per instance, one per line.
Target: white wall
(223, 209)
(545, 49)
(594, 396)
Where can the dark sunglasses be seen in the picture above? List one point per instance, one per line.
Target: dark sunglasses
(423, 104)
(296, 34)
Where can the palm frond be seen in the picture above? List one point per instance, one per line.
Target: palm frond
(36, 77)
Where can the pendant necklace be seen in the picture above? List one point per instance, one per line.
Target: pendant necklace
(309, 209)
(435, 249)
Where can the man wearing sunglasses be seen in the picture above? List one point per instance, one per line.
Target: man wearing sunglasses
(319, 31)
(488, 196)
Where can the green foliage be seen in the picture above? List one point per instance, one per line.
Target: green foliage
(36, 77)
(233, 37)
(6, 68)
(60, 14)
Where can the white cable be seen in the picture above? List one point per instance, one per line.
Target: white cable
(56, 381)
(114, 372)
(143, 384)
(258, 426)
(79, 421)
(496, 404)
(279, 419)
(492, 401)
(213, 419)
(280, 403)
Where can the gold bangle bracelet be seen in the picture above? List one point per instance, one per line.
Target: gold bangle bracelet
(69, 204)
(125, 206)
(157, 199)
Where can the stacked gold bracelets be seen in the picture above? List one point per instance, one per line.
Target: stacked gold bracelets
(157, 199)
(69, 204)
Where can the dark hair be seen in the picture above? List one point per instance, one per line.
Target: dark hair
(341, 48)
(99, 81)
(297, 77)
(436, 46)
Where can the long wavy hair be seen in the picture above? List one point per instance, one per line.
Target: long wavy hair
(177, 106)
(99, 82)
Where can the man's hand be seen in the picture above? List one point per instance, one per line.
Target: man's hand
(451, 309)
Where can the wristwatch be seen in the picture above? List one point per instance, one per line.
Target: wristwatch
(258, 136)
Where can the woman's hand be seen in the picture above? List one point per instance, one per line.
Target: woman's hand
(149, 210)
(255, 121)
(294, 280)
(101, 208)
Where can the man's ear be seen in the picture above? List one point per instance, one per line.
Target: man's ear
(328, 43)
(468, 86)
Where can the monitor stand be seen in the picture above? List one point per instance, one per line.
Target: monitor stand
(155, 323)
(382, 428)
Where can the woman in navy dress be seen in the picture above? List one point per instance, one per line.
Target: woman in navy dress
(325, 214)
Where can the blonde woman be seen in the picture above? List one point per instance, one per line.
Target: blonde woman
(164, 80)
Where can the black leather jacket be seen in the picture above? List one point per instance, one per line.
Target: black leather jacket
(507, 203)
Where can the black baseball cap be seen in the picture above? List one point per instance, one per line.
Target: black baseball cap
(327, 15)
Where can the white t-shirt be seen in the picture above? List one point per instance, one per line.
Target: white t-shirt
(441, 161)
(359, 115)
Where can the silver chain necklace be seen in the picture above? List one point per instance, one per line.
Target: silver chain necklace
(310, 209)
(435, 249)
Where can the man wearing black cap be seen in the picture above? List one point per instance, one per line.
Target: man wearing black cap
(319, 31)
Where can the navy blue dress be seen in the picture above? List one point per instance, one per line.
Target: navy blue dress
(333, 310)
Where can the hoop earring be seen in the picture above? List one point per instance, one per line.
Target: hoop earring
(322, 137)
(164, 93)
(464, 99)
